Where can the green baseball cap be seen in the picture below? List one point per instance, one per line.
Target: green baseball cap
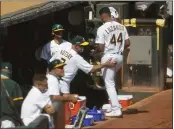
(79, 40)
(6, 65)
(55, 64)
(57, 27)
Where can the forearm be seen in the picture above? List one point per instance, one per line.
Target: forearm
(49, 109)
(97, 68)
(18, 105)
(60, 98)
(126, 46)
(127, 43)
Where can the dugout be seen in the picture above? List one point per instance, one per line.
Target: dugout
(28, 29)
(25, 31)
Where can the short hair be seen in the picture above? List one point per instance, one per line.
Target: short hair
(105, 10)
(39, 78)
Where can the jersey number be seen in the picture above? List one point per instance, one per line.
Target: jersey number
(115, 40)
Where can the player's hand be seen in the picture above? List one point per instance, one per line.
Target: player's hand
(75, 95)
(128, 49)
(73, 98)
(50, 109)
(110, 63)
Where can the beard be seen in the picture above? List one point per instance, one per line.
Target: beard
(58, 36)
(81, 50)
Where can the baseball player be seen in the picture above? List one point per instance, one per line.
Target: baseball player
(50, 48)
(15, 94)
(74, 62)
(56, 69)
(36, 101)
(112, 38)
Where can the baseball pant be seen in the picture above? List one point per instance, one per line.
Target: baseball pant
(109, 78)
(50, 120)
(64, 87)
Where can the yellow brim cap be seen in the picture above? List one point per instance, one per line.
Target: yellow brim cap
(59, 65)
(58, 30)
(84, 44)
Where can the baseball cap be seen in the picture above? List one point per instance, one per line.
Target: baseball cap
(79, 40)
(57, 27)
(114, 12)
(6, 65)
(55, 64)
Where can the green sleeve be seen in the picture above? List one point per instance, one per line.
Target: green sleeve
(17, 93)
(17, 97)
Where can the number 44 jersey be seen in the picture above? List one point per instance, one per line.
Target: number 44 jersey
(113, 35)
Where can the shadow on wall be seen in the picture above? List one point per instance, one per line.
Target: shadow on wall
(94, 97)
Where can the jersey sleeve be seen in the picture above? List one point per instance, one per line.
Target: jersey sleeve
(43, 100)
(83, 64)
(100, 36)
(56, 55)
(53, 85)
(45, 54)
(53, 57)
(126, 34)
(17, 93)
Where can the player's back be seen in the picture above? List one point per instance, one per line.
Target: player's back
(114, 36)
(68, 56)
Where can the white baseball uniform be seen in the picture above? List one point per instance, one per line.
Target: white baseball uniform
(74, 62)
(113, 35)
(54, 89)
(33, 105)
(53, 85)
(50, 48)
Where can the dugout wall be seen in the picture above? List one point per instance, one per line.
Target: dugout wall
(146, 63)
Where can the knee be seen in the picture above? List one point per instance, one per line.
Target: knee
(110, 84)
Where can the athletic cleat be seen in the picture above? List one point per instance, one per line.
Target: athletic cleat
(117, 113)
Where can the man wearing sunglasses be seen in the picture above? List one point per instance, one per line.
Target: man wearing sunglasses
(74, 62)
(56, 71)
(50, 48)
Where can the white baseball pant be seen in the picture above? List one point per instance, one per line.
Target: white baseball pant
(64, 87)
(109, 78)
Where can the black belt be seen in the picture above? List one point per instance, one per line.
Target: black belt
(118, 53)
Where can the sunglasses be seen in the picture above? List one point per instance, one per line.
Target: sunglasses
(58, 32)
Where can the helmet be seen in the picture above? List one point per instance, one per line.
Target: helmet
(114, 12)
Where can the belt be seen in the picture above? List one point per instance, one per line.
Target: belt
(118, 53)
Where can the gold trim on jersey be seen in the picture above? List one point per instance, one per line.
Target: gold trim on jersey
(84, 44)
(20, 98)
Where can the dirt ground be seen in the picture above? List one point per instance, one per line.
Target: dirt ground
(153, 112)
